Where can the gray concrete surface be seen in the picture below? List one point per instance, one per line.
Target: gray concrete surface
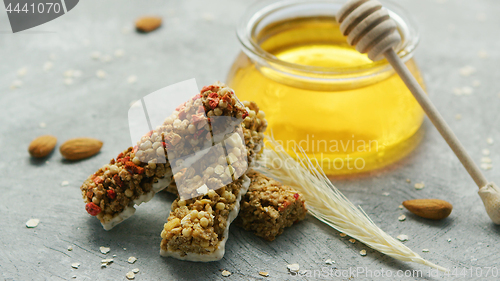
(187, 46)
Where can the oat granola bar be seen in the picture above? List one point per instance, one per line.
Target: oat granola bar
(198, 228)
(269, 206)
(139, 172)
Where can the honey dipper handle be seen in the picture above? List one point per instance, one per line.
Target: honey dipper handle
(435, 117)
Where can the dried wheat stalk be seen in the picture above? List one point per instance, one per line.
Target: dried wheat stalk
(328, 204)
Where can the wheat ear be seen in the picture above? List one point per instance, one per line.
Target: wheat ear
(328, 204)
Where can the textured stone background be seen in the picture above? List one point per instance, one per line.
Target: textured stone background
(191, 45)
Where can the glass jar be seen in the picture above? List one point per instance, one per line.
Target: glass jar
(349, 113)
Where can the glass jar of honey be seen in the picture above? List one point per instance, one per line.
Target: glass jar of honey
(349, 113)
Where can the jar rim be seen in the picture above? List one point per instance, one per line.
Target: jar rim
(263, 9)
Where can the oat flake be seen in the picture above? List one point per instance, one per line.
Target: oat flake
(135, 270)
(362, 252)
(226, 273)
(131, 260)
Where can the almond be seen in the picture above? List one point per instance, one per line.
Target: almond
(42, 146)
(147, 24)
(80, 148)
(433, 209)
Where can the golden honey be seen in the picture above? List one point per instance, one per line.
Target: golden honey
(349, 113)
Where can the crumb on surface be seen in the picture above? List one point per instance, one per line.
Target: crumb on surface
(104, 250)
(402, 237)
(225, 273)
(131, 260)
(32, 223)
(402, 218)
(294, 267)
(362, 252)
(264, 273)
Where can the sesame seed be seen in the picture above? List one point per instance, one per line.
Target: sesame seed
(16, 84)
(119, 53)
(467, 70)
(104, 250)
(226, 273)
(131, 260)
(467, 90)
(132, 79)
(68, 81)
(482, 54)
(208, 17)
(70, 248)
(449, 239)
(419, 186)
(21, 72)
(402, 237)
(95, 55)
(135, 270)
(32, 223)
(75, 265)
(47, 66)
(386, 193)
(402, 218)
(65, 183)
(130, 275)
(362, 252)
(106, 58)
(486, 160)
(343, 235)
(100, 74)
(486, 166)
(264, 273)
(425, 250)
(294, 267)
(352, 240)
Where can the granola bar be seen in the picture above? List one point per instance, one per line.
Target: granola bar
(139, 172)
(269, 206)
(198, 228)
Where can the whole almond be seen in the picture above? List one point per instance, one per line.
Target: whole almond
(80, 148)
(42, 146)
(147, 24)
(433, 209)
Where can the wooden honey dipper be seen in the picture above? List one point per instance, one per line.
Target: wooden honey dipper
(369, 27)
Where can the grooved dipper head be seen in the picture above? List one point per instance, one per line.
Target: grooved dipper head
(369, 27)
